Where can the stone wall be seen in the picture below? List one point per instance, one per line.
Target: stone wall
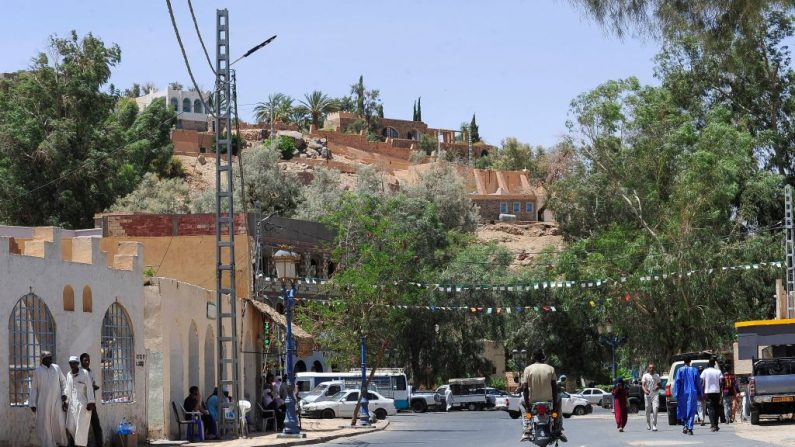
(490, 208)
(360, 142)
(191, 142)
(78, 286)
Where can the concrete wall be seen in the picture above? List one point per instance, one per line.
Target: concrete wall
(490, 208)
(43, 271)
(494, 352)
(181, 345)
(191, 142)
(179, 246)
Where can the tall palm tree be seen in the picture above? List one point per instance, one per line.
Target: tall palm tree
(317, 105)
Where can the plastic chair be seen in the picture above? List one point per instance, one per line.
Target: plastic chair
(267, 415)
(192, 419)
(245, 407)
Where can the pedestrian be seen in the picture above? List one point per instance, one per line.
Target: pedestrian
(701, 407)
(650, 382)
(80, 395)
(96, 426)
(448, 398)
(688, 393)
(730, 390)
(710, 381)
(48, 402)
(620, 404)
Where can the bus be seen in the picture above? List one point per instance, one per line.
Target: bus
(389, 382)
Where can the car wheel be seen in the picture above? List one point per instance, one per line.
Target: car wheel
(633, 408)
(328, 413)
(514, 414)
(754, 417)
(380, 414)
(419, 406)
(472, 406)
(601, 402)
(579, 411)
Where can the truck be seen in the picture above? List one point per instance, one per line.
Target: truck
(469, 393)
(772, 387)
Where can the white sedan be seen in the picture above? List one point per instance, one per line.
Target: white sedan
(572, 404)
(595, 396)
(343, 403)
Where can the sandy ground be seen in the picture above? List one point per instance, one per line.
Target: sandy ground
(525, 241)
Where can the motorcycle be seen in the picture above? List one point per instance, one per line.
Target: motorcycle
(540, 422)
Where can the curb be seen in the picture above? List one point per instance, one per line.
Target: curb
(327, 438)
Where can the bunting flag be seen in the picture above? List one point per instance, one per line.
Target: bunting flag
(546, 284)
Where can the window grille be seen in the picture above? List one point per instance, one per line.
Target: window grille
(186, 105)
(118, 362)
(503, 207)
(529, 207)
(517, 207)
(31, 330)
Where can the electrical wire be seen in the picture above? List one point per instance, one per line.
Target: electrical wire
(185, 58)
(199, 34)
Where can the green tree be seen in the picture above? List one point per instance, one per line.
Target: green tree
(473, 130)
(317, 105)
(276, 108)
(419, 109)
(67, 152)
(321, 197)
(156, 195)
(442, 186)
(359, 91)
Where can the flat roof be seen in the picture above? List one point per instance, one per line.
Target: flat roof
(754, 323)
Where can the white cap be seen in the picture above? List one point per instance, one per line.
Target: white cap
(74, 359)
(225, 388)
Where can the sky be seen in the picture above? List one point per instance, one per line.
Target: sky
(516, 64)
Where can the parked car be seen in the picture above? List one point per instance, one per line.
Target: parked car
(772, 387)
(343, 403)
(574, 405)
(663, 384)
(596, 396)
(469, 393)
(697, 359)
(491, 395)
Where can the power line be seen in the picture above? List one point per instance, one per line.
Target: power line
(199, 34)
(185, 58)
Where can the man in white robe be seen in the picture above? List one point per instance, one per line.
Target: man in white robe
(48, 401)
(80, 393)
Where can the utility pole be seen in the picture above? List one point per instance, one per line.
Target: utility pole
(225, 296)
(469, 143)
(789, 243)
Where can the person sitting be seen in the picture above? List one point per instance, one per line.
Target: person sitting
(193, 403)
(212, 402)
(269, 399)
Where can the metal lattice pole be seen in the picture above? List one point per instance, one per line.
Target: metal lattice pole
(225, 296)
(790, 247)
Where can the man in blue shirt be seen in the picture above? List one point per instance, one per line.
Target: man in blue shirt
(688, 393)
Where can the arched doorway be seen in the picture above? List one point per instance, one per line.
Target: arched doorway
(390, 132)
(300, 367)
(209, 361)
(317, 366)
(193, 355)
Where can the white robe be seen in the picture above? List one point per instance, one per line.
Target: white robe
(448, 398)
(79, 392)
(47, 385)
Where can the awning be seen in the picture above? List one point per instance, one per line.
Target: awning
(753, 334)
(305, 345)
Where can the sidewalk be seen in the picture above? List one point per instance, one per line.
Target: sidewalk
(772, 431)
(316, 430)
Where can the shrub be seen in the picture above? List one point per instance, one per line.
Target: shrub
(286, 147)
(498, 383)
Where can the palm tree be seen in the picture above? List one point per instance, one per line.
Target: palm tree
(317, 104)
(272, 109)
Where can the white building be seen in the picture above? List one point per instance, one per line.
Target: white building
(191, 113)
(61, 294)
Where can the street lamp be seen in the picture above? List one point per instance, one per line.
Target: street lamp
(286, 262)
(611, 339)
(364, 414)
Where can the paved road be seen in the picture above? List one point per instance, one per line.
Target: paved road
(493, 428)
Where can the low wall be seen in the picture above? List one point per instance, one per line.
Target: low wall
(360, 142)
(191, 142)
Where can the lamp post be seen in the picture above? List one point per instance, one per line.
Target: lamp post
(611, 339)
(286, 262)
(364, 413)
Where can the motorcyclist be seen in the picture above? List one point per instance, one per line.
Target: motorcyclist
(539, 383)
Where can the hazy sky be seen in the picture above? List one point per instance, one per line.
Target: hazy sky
(517, 64)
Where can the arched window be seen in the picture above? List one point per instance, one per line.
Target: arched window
(197, 107)
(209, 360)
(68, 298)
(186, 105)
(193, 355)
(390, 132)
(174, 104)
(31, 330)
(117, 356)
(87, 299)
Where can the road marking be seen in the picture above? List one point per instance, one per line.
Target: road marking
(664, 442)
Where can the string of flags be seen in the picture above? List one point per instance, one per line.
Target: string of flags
(556, 284)
(507, 310)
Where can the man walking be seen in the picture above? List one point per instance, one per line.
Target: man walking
(730, 393)
(48, 401)
(710, 381)
(80, 393)
(96, 427)
(650, 382)
(688, 393)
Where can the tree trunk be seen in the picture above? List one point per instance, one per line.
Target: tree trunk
(379, 356)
